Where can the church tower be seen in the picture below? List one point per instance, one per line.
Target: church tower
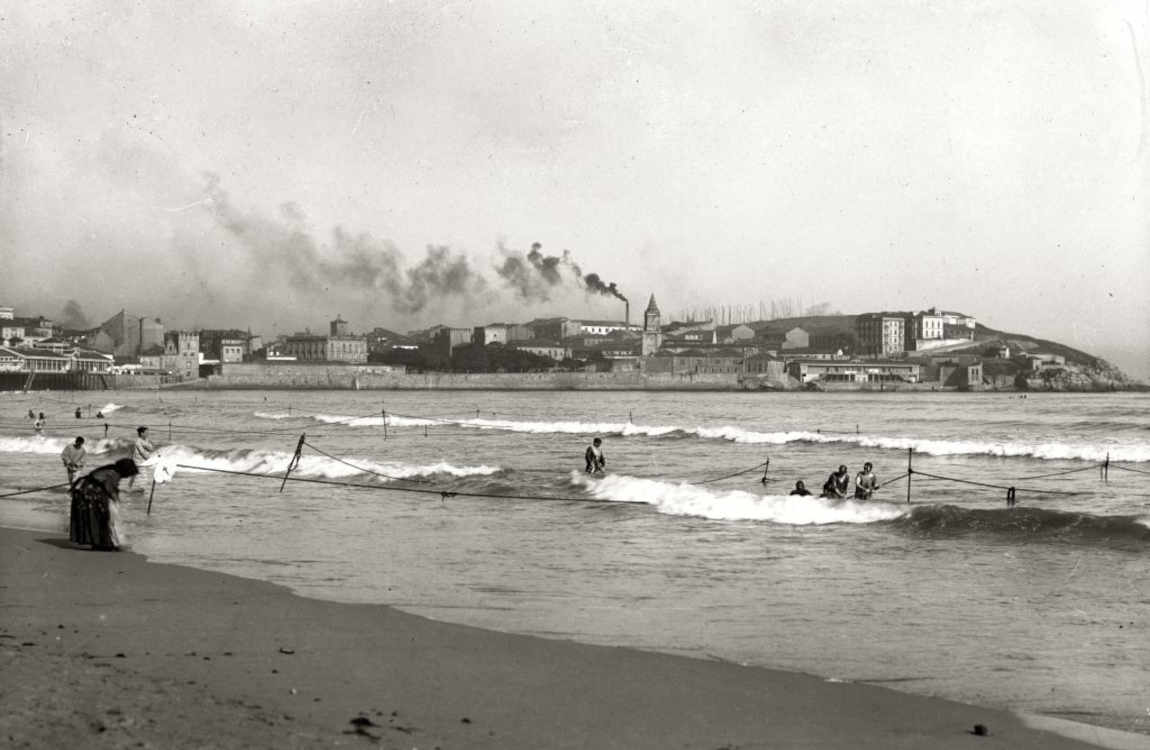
(652, 333)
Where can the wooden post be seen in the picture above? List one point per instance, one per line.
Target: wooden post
(105, 429)
(383, 412)
(909, 472)
(1106, 468)
(294, 460)
(766, 468)
(151, 495)
(169, 430)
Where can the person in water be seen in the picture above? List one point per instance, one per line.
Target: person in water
(866, 483)
(38, 425)
(596, 461)
(95, 517)
(142, 450)
(800, 488)
(78, 414)
(73, 458)
(837, 483)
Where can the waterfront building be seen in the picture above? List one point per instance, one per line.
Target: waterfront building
(311, 348)
(492, 333)
(544, 348)
(838, 371)
(881, 334)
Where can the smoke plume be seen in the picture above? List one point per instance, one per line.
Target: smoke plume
(593, 283)
(534, 276)
(72, 317)
(348, 262)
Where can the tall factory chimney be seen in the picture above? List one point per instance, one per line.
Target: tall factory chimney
(627, 313)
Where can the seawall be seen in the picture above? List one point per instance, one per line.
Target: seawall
(366, 377)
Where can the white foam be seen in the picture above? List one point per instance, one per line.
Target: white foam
(52, 445)
(273, 415)
(1053, 450)
(108, 408)
(733, 505)
(276, 462)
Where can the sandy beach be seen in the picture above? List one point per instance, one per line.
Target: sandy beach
(109, 650)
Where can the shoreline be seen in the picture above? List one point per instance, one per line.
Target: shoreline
(112, 648)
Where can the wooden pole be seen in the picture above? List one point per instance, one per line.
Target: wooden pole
(294, 460)
(766, 468)
(383, 412)
(169, 430)
(151, 495)
(909, 472)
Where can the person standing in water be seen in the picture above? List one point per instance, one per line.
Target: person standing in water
(866, 482)
(837, 483)
(596, 461)
(73, 458)
(142, 450)
(800, 489)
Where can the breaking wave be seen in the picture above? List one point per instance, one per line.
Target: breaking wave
(1025, 524)
(681, 499)
(321, 467)
(1051, 451)
(54, 445)
(108, 408)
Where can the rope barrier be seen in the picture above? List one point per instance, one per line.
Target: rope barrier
(362, 469)
(892, 481)
(756, 467)
(441, 493)
(996, 486)
(38, 489)
(1061, 473)
(1128, 468)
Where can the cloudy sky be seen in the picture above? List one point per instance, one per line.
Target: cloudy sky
(273, 164)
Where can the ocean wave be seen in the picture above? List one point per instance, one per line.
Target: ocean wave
(1137, 452)
(680, 499)
(275, 415)
(269, 462)
(110, 407)
(54, 445)
(1024, 524)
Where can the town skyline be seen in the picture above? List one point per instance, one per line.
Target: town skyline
(879, 156)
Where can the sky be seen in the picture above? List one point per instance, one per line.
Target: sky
(272, 165)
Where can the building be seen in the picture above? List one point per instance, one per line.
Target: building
(151, 333)
(717, 361)
(7, 313)
(734, 334)
(11, 332)
(493, 333)
(963, 373)
(338, 327)
(554, 329)
(447, 339)
(652, 330)
(881, 334)
(764, 366)
(311, 348)
(544, 348)
(838, 371)
(602, 327)
(22, 359)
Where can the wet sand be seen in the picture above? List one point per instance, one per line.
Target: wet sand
(109, 650)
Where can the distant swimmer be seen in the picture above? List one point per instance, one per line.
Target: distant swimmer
(73, 458)
(38, 425)
(800, 489)
(866, 483)
(31, 414)
(837, 483)
(99, 415)
(596, 461)
(78, 414)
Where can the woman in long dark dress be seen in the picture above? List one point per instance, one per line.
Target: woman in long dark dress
(95, 501)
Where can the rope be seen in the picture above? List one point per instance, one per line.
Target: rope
(995, 486)
(756, 467)
(441, 493)
(1061, 473)
(1128, 468)
(892, 481)
(365, 471)
(38, 489)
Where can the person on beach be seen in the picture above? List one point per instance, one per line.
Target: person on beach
(142, 450)
(837, 483)
(800, 488)
(596, 461)
(73, 458)
(95, 517)
(866, 483)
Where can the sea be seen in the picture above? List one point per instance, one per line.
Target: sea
(473, 507)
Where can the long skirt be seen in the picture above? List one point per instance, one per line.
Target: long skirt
(95, 517)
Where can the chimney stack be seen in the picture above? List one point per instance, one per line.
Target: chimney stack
(627, 314)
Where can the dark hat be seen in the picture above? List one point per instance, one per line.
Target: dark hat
(126, 467)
